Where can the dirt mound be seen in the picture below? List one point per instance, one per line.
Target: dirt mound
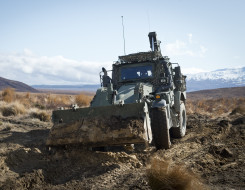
(212, 149)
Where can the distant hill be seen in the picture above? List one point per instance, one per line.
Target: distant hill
(18, 86)
(222, 78)
(234, 92)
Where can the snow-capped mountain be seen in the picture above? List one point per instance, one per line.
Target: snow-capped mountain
(221, 78)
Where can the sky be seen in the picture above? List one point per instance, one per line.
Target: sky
(68, 42)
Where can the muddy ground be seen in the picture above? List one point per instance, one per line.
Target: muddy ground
(212, 148)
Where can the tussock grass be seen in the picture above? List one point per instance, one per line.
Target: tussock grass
(12, 109)
(17, 108)
(54, 101)
(8, 95)
(165, 175)
(216, 107)
(37, 105)
(41, 115)
(45, 101)
(83, 100)
(28, 95)
(239, 110)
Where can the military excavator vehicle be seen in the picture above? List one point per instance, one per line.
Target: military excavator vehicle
(142, 102)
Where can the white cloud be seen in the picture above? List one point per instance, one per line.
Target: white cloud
(190, 38)
(32, 69)
(185, 48)
(203, 50)
(236, 57)
(28, 52)
(177, 48)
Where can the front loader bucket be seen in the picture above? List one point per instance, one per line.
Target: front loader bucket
(101, 126)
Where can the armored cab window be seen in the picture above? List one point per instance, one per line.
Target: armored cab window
(139, 72)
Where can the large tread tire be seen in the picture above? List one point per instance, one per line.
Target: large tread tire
(160, 130)
(179, 132)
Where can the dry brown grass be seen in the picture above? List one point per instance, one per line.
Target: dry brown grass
(13, 109)
(83, 100)
(28, 95)
(216, 107)
(8, 95)
(239, 109)
(17, 108)
(45, 101)
(165, 175)
(41, 115)
(53, 101)
(37, 105)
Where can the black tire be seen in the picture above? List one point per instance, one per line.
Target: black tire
(179, 132)
(160, 129)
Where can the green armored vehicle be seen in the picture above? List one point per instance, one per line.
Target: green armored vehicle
(143, 102)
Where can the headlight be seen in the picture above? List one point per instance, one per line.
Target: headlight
(158, 96)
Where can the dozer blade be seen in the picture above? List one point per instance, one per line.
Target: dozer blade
(101, 126)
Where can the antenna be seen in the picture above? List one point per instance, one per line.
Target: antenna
(123, 37)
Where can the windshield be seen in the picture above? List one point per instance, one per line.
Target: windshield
(136, 72)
